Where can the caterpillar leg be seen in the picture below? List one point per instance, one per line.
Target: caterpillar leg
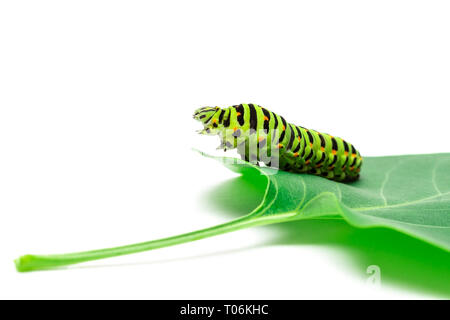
(225, 145)
(328, 175)
(245, 157)
(341, 177)
(248, 153)
(205, 131)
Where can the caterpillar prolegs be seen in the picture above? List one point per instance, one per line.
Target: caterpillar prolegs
(263, 136)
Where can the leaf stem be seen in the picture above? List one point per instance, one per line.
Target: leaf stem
(44, 262)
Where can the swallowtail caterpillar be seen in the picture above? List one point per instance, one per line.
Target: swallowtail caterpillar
(263, 136)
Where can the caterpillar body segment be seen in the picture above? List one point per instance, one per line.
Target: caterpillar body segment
(260, 135)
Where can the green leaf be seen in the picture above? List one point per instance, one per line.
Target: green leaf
(410, 194)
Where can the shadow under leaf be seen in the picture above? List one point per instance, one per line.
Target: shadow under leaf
(403, 260)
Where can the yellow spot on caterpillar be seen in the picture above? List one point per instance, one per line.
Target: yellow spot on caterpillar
(353, 155)
(235, 128)
(296, 154)
(311, 145)
(346, 153)
(238, 114)
(322, 149)
(299, 138)
(334, 152)
(280, 146)
(351, 168)
(307, 162)
(214, 120)
(284, 127)
(260, 139)
(266, 118)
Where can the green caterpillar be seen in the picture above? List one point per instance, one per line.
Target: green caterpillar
(263, 136)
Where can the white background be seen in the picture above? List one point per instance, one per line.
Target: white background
(96, 134)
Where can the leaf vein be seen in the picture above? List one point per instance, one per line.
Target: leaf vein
(386, 179)
(433, 178)
(404, 204)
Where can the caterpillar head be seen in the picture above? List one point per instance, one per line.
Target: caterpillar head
(208, 116)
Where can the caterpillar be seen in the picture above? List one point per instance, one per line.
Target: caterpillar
(263, 136)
